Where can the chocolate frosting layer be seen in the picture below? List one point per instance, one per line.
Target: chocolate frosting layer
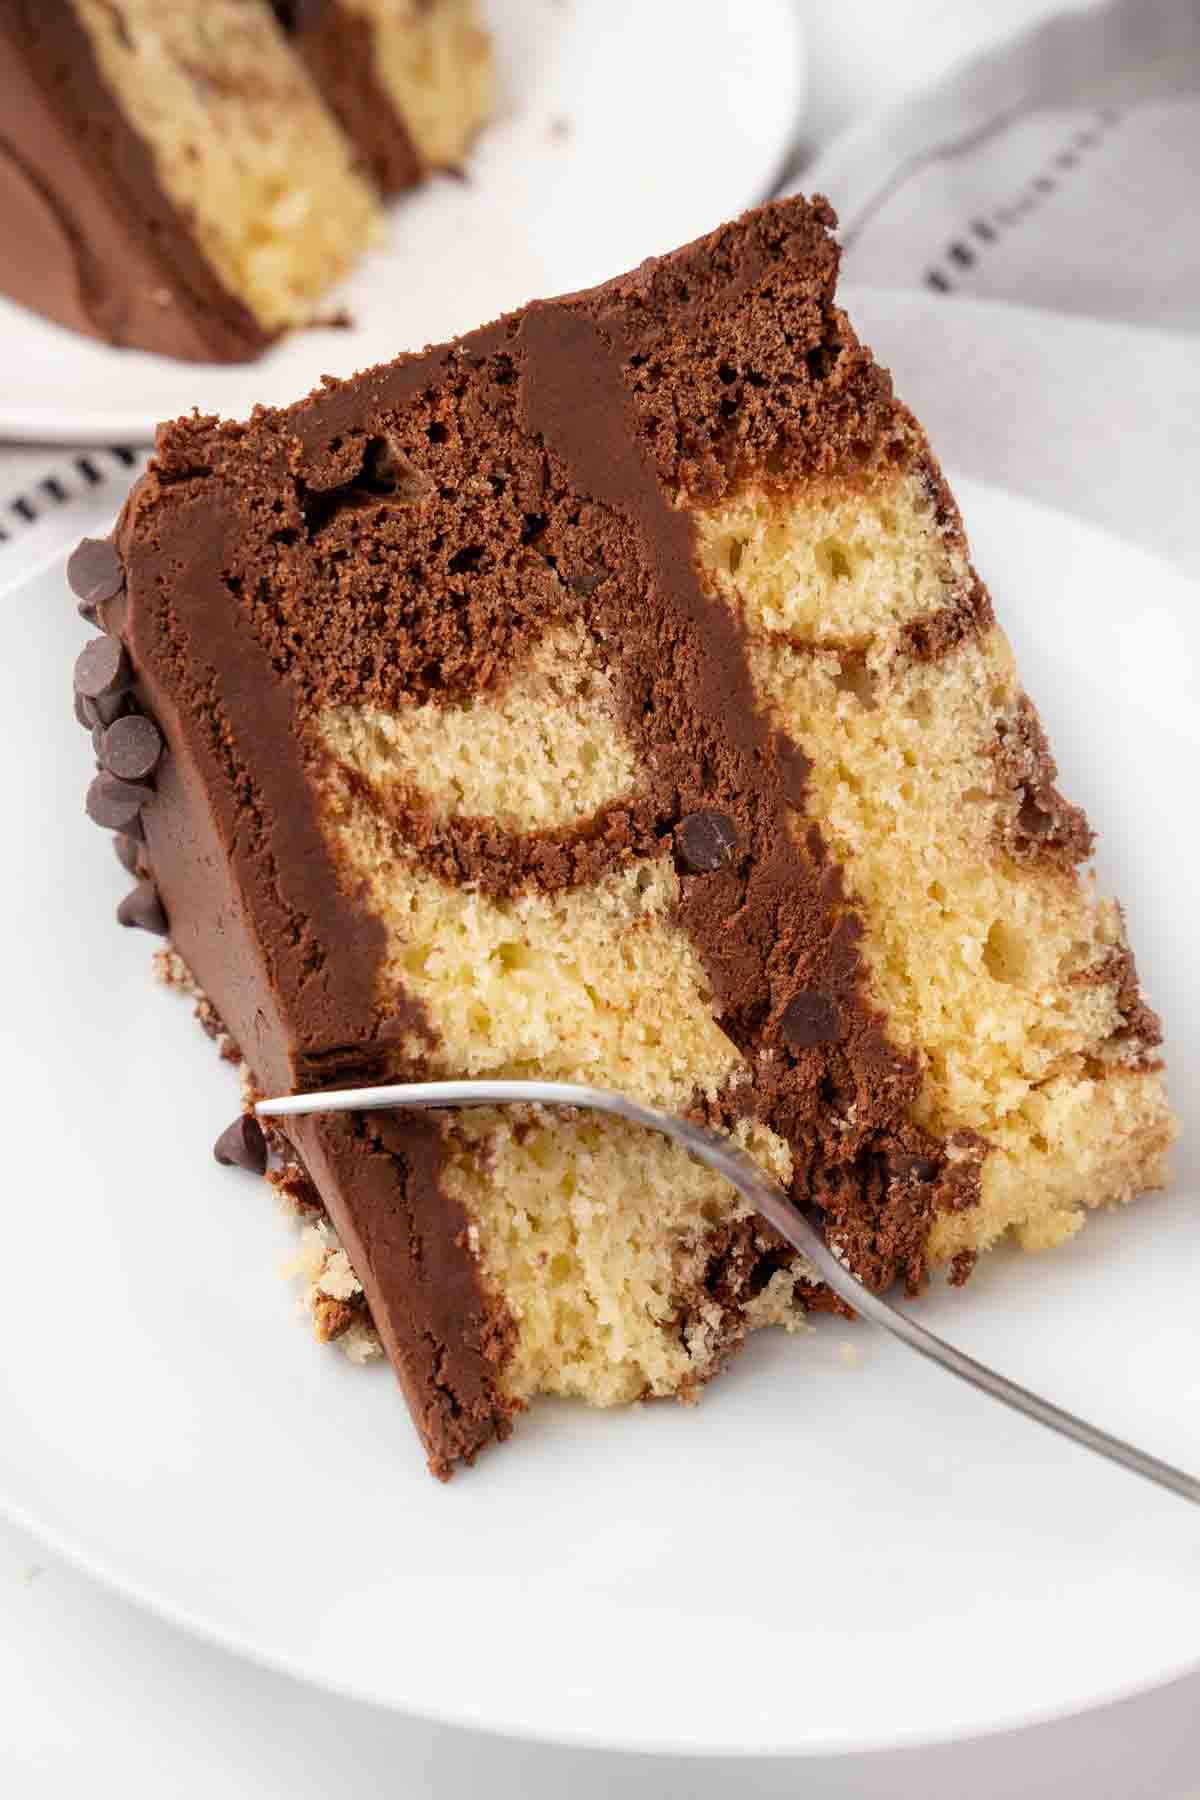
(772, 930)
(338, 48)
(233, 729)
(407, 1242)
(91, 238)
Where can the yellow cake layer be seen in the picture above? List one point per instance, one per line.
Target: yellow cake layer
(1001, 974)
(593, 1230)
(435, 60)
(544, 750)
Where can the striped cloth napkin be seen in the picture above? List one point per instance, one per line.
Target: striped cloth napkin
(50, 498)
(1022, 249)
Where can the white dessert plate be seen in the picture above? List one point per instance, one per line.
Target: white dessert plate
(836, 1550)
(625, 129)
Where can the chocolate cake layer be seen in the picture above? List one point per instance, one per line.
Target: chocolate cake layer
(295, 587)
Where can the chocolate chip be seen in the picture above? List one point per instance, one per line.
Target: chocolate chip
(116, 804)
(131, 747)
(97, 741)
(904, 1167)
(243, 1145)
(127, 851)
(81, 712)
(143, 909)
(102, 667)
(1034, 818)
(587, 581)
(109, 707)
(811, 1018)
(95, 574)
(706, 841)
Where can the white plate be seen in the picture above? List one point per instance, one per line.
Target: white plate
(819, 1557)
(627, 129)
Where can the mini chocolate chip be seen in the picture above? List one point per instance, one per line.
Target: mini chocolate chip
(1035, 819)
(811, 1018)
(904, 1167)
(587, 581)
(102, 667)
(117, 804)
(706, 841)
(243, 1145)
(109, 707)
(143, 908)
(126, 848)
(131, 748)
(95, 574)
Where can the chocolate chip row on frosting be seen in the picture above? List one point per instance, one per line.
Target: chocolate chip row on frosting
(127, 743)
(95, 575)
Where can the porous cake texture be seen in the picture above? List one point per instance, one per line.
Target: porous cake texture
(609, 696)
(189, 177)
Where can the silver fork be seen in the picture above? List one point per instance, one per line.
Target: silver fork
(768, 1199)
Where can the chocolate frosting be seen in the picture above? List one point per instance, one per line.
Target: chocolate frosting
(297, 1016)
(407, 1242)
(337, 44)
(771, 929)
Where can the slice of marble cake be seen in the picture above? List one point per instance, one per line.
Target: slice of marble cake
(609, 696)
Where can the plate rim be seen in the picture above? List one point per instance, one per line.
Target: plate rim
(279, 1662)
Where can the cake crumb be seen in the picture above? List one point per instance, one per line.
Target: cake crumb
(850, 1354)
(331, 1318)
(361, 1343)
(332, 1298)
(337, 1279)
(295, 1191)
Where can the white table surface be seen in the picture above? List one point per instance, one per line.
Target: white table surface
(99, 1697)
